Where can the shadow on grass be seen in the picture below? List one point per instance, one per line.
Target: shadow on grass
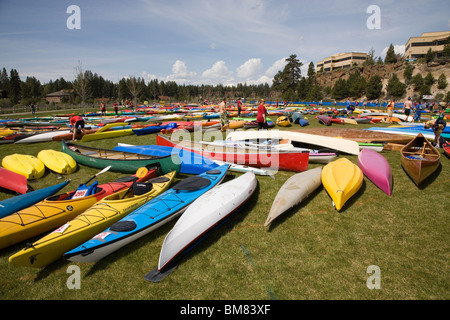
(428, 180)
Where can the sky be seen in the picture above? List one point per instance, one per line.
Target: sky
(201, 41)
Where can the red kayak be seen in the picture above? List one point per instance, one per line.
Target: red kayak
(13, 181)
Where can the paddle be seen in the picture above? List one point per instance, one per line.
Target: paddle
(99, 173)
(141, 172)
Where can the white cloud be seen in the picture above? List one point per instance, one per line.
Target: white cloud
(251, 69)
(180, 73)
(276, 66)
(218, 73)
(148, 76)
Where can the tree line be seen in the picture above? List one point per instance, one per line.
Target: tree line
(288, 84)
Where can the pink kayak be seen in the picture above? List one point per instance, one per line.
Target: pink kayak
(376, 168)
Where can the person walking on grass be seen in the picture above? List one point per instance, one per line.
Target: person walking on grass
(390, 110)
(223, 115)
(261, 116)
(407, 106)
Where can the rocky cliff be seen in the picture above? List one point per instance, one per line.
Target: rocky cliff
(385, 73)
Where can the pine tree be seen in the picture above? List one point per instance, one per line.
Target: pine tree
(395, 87)
(390, 55)
(374, 87)
(442, 82)
(14, 86)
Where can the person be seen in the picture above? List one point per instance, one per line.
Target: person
(33, 109)
(390, 110)
(116, 108)
(239, 107)
(223, 115)
(103, 109)
(418, 113)
(349, 106)
(76, 122)
(261, 116)
(407, 106)
(438, 127)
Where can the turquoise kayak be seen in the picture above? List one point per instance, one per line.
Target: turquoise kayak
(148, 217)
(17, 203)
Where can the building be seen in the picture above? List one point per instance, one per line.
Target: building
(341, 61)
(58, 96)
(417, 47)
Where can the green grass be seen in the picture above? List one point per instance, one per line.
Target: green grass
(311, 252)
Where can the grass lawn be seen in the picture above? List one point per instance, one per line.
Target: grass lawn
(311, 252)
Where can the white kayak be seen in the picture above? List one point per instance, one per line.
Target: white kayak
(205, 213)
(338, 144)
(296, 189)
(43, 137)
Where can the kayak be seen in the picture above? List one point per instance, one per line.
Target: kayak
(376, 168)
(11, 205)
(296, 189)
(13, 181)
(342, 179)
(191, 163)
(57, 161)
(43, 137)
(149, 217)
(86, 225)
(24, 164)
(120, 161)
(56, 210)
(206, 213)
(107, 132)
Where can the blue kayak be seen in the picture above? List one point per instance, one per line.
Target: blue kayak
(17, 203)
(191, 162)
(148, 217)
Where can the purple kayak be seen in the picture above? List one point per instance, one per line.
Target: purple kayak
(376, 168)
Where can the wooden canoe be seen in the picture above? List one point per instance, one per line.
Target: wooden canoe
(120, 161)
(420, 159)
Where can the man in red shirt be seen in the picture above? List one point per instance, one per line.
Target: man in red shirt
(261, 117)
(239, 107)
(76, 122)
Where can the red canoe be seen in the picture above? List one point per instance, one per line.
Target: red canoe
(280, 160)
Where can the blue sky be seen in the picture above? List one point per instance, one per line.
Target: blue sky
(200, 41)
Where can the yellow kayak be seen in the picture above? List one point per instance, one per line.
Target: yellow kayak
(342, 179)
(91, 222)
(283, 121)
(26, 165)
(57, 161)
(106, 132)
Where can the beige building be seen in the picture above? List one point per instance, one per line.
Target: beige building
(341, 61)
(417, 47)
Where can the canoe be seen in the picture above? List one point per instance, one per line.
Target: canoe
(26, 165)
(296, 189)
(11, 205)
(205, 214)
(13, 181)
(342, 179)
(410, 133)
(276, 160)
(191, 163)
(56, 210)
(303, 139)
(106, 132)
(120, 161)
(358, 135)
(419, 159)
(152, 215)
(86, 225)
(376, 168)
(57, 161)
(43, 136)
